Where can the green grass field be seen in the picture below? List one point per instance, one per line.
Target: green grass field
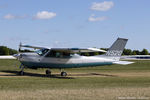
(116, 82)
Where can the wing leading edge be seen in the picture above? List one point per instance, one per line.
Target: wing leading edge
(75, 50)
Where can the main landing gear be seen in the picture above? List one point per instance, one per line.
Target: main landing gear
(48, 73)
(63, 74)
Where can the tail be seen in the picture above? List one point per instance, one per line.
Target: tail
(116, 50)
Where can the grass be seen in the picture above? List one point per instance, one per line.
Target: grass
(96, 83)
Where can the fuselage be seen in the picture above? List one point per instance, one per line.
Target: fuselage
(70, 57)
(33, 60)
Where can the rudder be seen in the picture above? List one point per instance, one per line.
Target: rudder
(117, 48)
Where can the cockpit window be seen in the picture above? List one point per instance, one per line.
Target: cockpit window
(41, 52)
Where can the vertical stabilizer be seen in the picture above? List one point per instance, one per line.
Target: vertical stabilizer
(117, 48)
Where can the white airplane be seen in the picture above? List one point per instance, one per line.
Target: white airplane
(62, 58)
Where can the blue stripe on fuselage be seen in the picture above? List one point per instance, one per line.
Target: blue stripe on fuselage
(52, 65)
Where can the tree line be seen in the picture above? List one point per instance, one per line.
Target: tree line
(4, 50)
(135, 52)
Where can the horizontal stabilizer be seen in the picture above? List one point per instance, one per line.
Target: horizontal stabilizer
(123, 62)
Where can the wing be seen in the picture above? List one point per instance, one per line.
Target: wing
(69, 50)
(76, 50)
(34, 47)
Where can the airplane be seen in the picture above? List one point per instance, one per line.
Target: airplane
(61, 58)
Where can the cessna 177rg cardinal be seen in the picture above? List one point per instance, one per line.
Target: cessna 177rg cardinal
(61, 58)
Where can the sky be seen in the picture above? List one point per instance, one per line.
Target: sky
(75, 23)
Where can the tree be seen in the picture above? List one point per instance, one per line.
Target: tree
(7, 51)
(134, 52)
(12, 51)
(4, 50)
(96, 53)
(137, 52)
(127, 52)
(86, 54)
(144, 52)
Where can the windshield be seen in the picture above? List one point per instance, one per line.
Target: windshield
(41, 52)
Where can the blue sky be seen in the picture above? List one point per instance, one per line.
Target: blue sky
(74, 23)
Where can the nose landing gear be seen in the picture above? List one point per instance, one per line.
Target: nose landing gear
(22, 68)
(48, 72)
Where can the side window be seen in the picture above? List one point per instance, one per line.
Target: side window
(51, 54)
(57, 54)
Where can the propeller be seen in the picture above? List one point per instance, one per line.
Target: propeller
(18, 55)
(20, 45)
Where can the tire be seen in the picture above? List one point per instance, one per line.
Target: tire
(48, 72)
(63, 74)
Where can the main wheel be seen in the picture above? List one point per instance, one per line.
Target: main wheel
(63, 74)
(48, 72)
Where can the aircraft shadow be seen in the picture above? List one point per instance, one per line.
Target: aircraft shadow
(16, 73)
(93, 74)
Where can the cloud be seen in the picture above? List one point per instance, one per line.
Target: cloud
(102, 6)
(39, 15)
(10, 16)
(92, 18)
(44, 15)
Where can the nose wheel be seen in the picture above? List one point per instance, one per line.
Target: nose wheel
(48, 72)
